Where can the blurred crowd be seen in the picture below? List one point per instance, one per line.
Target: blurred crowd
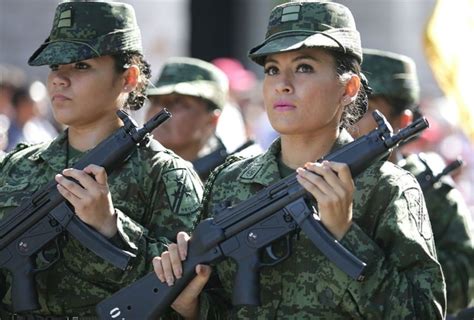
(25, 115)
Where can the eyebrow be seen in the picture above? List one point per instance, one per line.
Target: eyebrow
(297, 58)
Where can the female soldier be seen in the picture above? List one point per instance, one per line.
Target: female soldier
(312, 92)
(94, 53)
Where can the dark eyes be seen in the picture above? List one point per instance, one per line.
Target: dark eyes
(301, 68)
(271, 70)
(304, 68)
(81, 65)
(77, 65)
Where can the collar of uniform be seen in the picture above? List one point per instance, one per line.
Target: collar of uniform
(53, 153)
(264, 168)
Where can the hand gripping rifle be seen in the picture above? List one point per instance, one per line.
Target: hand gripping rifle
(41, 218)
(241, 232)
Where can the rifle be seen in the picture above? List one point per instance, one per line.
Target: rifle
(241, 232)
(427, 179)
(27, 229)
(209, 162)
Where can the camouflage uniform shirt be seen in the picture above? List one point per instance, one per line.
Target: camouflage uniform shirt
(391, 232)
(451, 220)
(155, 194)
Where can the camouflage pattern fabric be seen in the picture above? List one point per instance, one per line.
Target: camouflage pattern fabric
(391, 232)
(155, 194)
(84, 30)
(391, 74)
(299, 24)
(192, 77)
(451, 222)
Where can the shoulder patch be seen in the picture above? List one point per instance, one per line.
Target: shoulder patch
(180, 191)
(416, 208)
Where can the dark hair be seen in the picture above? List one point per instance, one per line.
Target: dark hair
(355, 110)
(136, 98)
(19, 96)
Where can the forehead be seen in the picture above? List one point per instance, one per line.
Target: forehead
(100, 61)
(176, 97)
(317, 54)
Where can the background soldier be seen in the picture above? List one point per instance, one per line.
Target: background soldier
(396, 94)
(195, 92)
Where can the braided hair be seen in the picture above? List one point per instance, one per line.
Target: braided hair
(355, 110)
(136, 98)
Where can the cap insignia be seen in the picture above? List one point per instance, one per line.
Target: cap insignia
(65, 19)
(290, 13)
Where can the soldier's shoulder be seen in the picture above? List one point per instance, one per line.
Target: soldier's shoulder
(20, 152)
(418, 163)
(156, 154)
(235, 164)
(386, 175)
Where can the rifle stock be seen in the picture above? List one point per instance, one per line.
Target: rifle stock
(242, 231)
(26, 230)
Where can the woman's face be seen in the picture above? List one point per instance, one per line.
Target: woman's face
(85, 92)
(302, 92)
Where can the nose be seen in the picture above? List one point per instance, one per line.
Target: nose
(284, 83)
(59, 78)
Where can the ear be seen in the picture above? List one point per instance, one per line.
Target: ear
(215, 114)
(131, 78)
(406, 118)
(351, 90)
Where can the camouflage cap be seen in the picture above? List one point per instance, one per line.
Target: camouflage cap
(392, 75)
(192, 77)
(88, 29)
(308, 24)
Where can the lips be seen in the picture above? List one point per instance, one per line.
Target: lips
(59, 97)
(283, 106)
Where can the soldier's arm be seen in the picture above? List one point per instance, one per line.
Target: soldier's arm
(402, 275)
(451, 222)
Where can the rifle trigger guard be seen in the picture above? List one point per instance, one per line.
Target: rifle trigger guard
(275, 259)
(47, 262)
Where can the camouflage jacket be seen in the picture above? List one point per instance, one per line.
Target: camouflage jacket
(155, 194)
(451, 222)
(391, 232)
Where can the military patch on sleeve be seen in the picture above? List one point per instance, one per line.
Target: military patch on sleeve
(180, 191)
(417, 210)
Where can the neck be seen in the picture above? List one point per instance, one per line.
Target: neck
(195, 150)
(296, 150)
(189, 154)
(395, 156)
(86, 137)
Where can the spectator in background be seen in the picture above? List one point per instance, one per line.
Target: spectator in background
(396, 94)
(11, 78)
(195, 92)
(245, 95)
(27, 124)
